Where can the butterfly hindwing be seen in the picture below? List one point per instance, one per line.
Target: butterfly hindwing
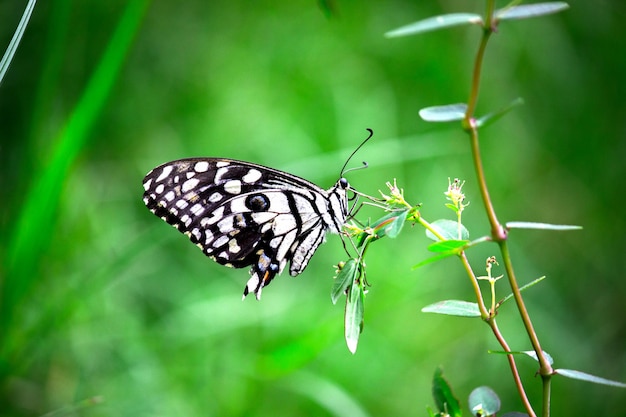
(242, 214)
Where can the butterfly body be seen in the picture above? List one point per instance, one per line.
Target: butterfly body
(242, 214)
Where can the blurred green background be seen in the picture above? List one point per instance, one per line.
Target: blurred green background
(106, 310)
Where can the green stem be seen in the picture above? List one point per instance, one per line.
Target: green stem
(518, 381)
(484, 313)
(498, 232)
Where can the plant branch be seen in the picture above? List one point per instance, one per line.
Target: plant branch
(518, 381)
(498, 232)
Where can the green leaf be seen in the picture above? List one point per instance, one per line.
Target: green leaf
(393, 230)
(531, 10)
(444, 397)
(489, 118)
(449, 229)
(533, 355)
(391, 226)
(530, 353)
(570, 373)
(447, 113)
(436, 23)
(542, 226)
(525, 287)
(15, 40)
(484, 401)
(344, 278)
(452, 246)
(432, 259)
(354, 316)
(453, 308)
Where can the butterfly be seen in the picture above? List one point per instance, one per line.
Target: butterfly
(243, 214)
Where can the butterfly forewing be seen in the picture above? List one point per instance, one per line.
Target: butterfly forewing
(242, 214)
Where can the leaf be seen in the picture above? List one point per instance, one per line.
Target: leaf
(388, 226)
(449, 229)
(15, 40)
(541, 226)
(530, 353)
(354, 316)
(444, 397)
(531, 10)
(453, 308)
(451, 246)
(533, 355)
(447, 113)
(570, 373)
(525, 287)
(484, 400)
(343, 280)
(436, 23)
(489, 118)
(395, 227)
(432, 259)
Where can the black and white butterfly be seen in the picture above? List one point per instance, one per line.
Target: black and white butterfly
(242, 214)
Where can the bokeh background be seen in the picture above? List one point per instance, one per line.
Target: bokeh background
(106, 310)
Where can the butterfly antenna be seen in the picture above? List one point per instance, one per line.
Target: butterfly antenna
(343, 169)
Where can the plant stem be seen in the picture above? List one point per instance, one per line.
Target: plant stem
(498, 232)
(518, 381)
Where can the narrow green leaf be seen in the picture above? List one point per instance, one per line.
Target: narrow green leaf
(485, 401)
(436, 23)
(453, 246)
(432, 259)
(525, 287)
(447, 113)
(530, 353)
(15, 40)
(570, 373)
(531, 10)
(444, 397)
(385, 221)
(354, 316)
(533, 355)
(543, 226)
(343, 280)
(453, 308)
(489, 118)
(449, 229)
(394, 229)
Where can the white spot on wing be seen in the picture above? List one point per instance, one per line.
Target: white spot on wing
(263, 217)
(225, 225)
(233, 246)
(220, 241)
(233, 187)
(197, 209)
(170, 196)
(208, 238)
(202, 166)
(252, 176)
(165, 173)
(190, 184)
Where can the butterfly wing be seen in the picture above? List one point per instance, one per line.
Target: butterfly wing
(242, 214)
